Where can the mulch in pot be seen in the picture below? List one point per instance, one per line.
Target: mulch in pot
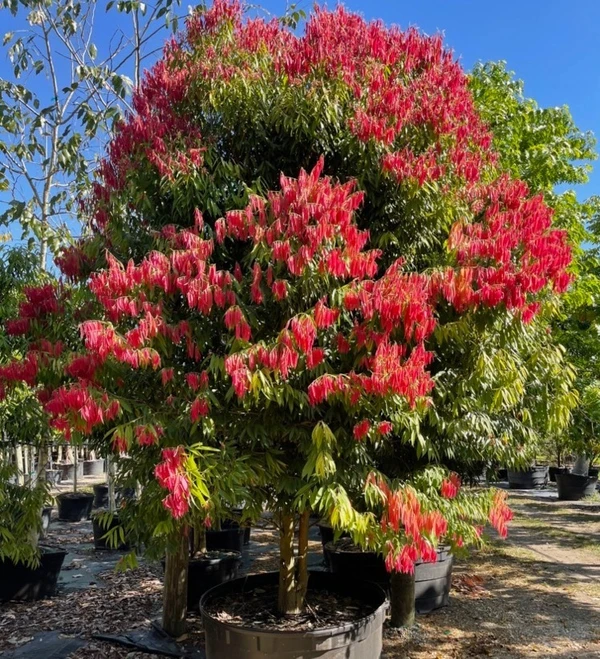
(258, 608)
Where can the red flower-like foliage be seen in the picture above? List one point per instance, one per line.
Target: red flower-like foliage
(500, 514)
(171, 475)
(450, 486)
(402, 513)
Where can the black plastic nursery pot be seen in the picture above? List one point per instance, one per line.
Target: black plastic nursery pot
(22, 583)
(207, 571)
(573, 487)
(357, 640)
(432, 580)
(68, 471)
(100, 496)
(528, 479)
(246, 525)
(230, 538)
(93, 467)
(100, 531)
(74, 506)
(552, 471)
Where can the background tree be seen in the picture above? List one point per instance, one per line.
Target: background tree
(71, 82)
(544, 147)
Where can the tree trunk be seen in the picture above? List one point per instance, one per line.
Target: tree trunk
(293, 571)
(175, 588)
(110, 479)
(402, 596)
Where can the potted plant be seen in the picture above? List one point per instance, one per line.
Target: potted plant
(74, 506)
(528, 478)
(247, 342)
(28, 570)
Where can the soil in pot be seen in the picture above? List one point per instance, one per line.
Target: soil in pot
(22, 583)
(432, 580)
(74, 506)
(93, 467)
(100, 531)
(573, 487)
(230, 537)
(343, 619)
(528, 479)
(552, 471)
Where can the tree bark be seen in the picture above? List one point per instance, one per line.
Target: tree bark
(402, 596)
(287, 594)
(175, 588)
(293, 571)
(302, 564)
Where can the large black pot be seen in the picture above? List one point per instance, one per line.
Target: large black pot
(238, 512)
(208, 571)
(74, 506)
(432, 580)
(230, 537)
(528, 479)
(100, 496)
(22, 583)
(100, 531)
(68, 471)
(556, 470)
(572, 487)
(93, 467)
(327, 535)
(358, 640)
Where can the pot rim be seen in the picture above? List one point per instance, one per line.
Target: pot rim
(74, 495)
(316, 633)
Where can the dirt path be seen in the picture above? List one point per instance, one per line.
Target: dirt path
(535, 595)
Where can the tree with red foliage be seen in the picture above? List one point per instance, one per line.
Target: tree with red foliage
(279, 230)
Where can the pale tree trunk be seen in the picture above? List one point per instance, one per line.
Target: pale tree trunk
(293, 570)
(175, 588)
(75, 465)
(19, 464)
(112, 506)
